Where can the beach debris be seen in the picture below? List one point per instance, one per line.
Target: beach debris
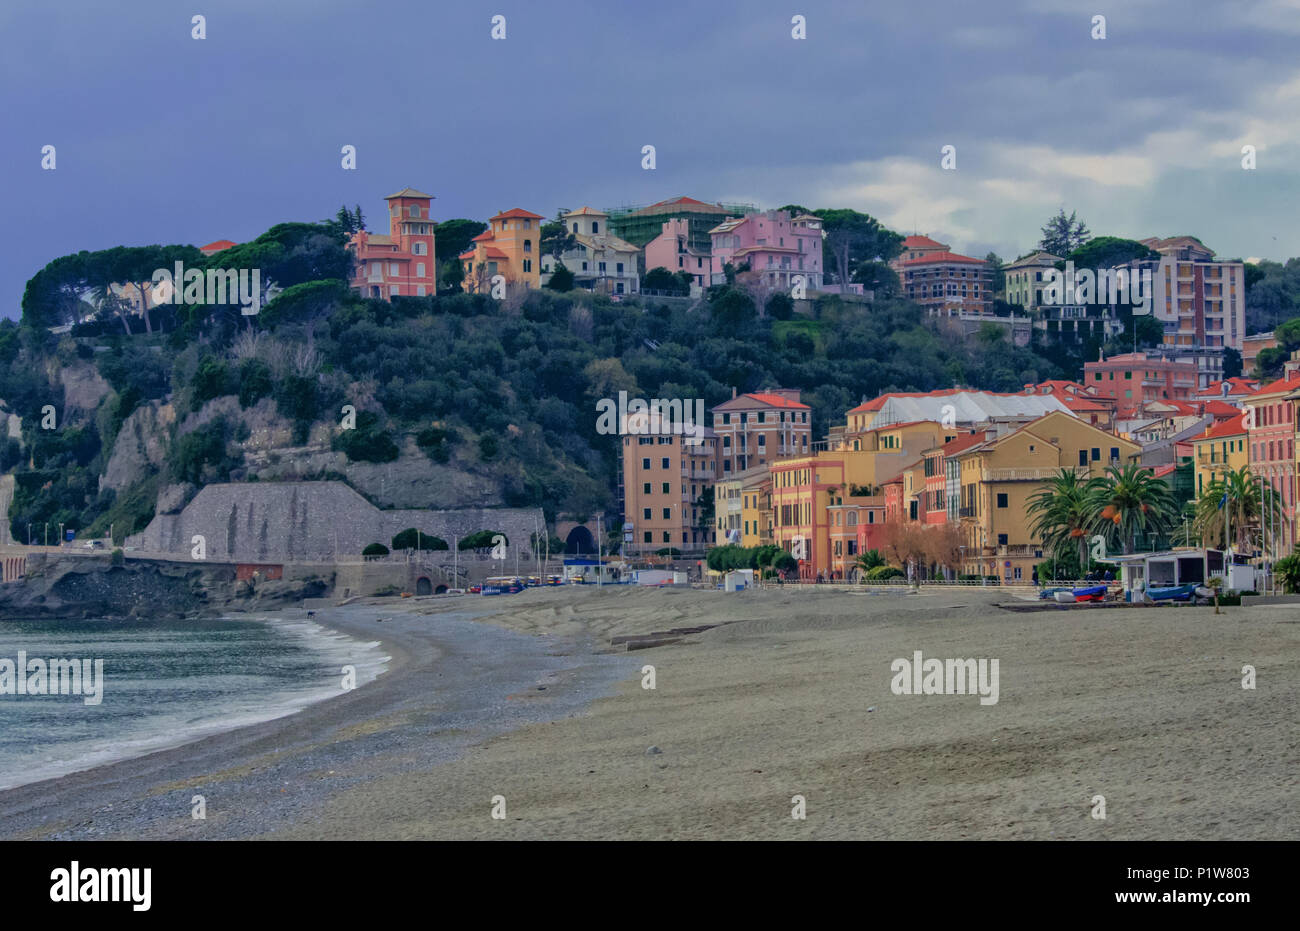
(652, 750)
(871, 709)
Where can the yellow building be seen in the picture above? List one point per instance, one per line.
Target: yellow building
(996, 479)
(741, 508)
(511, 247)
(808, 493)
(1221, 449)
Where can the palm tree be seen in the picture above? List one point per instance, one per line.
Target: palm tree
(1133, 501)
(1065, 511)
(1234, 499)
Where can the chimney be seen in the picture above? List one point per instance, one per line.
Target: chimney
(733, 392)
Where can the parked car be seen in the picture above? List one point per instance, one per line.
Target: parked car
(93, 544)
(475, 589)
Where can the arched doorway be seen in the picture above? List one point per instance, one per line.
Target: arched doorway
(440, 590)
(579, 540)
(423, 586)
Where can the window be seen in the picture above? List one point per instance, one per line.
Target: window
(419, 269)
(595, 227)
(528, 245)
(645, 464)
(668, 513)
(1114, 453)
(1083, 457)
(619, 267)
(1002, 499)
(647, 536)
(664, 461)
(668, 488)
(420, 248)
(645, 512)
(1096, 454)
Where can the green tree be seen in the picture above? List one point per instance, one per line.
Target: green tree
(1232, 363)
(661, 279)
(1133, 501)
(853, 237)
(1064, 512)
(1233, 499)
(561, 278)
(999, 275)
(411, 538)
(1062, 234)
(869, 560)
(453, 237)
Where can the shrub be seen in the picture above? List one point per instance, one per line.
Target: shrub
(480, 539)
(1287, 571)
(411, 538)
(209, 381)
(880, 573)
(366, 442)
(118, 557)
(254, 382)
(375, 549)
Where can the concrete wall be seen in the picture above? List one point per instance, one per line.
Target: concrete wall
(312, 521)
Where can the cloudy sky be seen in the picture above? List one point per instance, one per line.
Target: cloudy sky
(161, 138)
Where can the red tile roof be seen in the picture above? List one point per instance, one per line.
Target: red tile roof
(681, 200)
(1233, 427)
(466, 255)
(922, 242)
(1282, 385)
(1221, 409)
(964, 442)
(944, 258)
(1236, 385)
(517, 213)
(492, 252)
(221, 245)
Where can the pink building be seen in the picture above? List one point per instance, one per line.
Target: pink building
(774, 245)
(402, 263)
(1270, 430)
(672, 250)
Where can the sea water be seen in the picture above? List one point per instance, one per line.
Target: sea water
(165, 683)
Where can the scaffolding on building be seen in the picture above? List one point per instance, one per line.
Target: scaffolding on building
(640, 223)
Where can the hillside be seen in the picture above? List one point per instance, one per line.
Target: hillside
(460, 401)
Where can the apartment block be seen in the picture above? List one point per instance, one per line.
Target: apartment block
(1200, 301)
(948, 284)
(757, 428)
(662, 477)
(1133, 378)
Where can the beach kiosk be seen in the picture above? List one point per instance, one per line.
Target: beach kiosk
(1181, 574)
(737, 580)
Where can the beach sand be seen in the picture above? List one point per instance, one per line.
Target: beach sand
(789, 696)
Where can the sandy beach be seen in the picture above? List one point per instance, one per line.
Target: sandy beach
(789, 695)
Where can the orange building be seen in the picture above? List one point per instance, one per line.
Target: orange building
(662, 476)
(757, 428)
(510, 247)
(402, 263)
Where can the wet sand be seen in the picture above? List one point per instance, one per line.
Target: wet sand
(789, 696)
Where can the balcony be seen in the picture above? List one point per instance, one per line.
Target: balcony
(1028, 475)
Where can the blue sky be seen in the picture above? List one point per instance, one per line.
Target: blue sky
(162, 138)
